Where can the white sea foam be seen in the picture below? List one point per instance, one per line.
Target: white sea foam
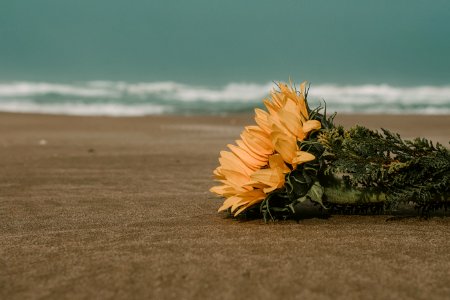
(127, 99)
(23, 89)
(79, 109)
(166, 90)
(382, 93)
(184, 92)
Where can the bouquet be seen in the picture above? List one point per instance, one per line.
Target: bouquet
(295, 154)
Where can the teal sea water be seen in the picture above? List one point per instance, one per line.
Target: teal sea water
(111, 57)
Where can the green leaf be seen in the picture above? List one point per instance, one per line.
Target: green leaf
(302, 199)
(315, 193)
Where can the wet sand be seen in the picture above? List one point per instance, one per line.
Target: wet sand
(100, 208)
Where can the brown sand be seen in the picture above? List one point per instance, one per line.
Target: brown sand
(119, 208)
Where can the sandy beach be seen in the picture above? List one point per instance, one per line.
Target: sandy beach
(119, 208)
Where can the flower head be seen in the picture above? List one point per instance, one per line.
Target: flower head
(266, 152)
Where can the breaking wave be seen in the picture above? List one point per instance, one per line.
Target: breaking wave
(136, 99)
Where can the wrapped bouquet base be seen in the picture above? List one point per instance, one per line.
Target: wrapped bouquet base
(295, 154)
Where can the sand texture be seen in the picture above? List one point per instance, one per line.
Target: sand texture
(119, 208)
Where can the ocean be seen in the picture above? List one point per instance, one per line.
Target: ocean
(111, 98)
(122, 58)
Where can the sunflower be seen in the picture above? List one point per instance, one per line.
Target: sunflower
(257, 164)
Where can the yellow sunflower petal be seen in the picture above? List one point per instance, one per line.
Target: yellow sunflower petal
(303, 88)
(278, 99)
(303, 157)
(217, 174)
(261, 118)
(271, 108)
(303, 110)
(237, 188)
(256, 185)
(311, 125)
(286, 91)
(229, 202)
(258, 156)
(235, 178)
(248, 197)
(248, 205)
(270, 189)
(270, 177)
(230, 161)
(293, 107)
(277, 162)
(246, 158)
(255, 144)
(286, 146)
(293, 123)
(260, 134)
(223, 190)
(278, 126)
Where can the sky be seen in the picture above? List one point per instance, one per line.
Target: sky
(216, 42)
